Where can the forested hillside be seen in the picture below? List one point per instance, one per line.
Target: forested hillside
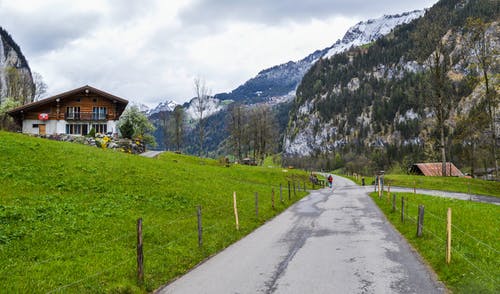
(407, 97)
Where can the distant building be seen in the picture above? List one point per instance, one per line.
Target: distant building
(74, 112)
(435, 169)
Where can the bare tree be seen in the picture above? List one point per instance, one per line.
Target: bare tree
(40, 86)
(201, 103)
(263, 131)
(482, 57)
(236, 128)
(164, 120)
(440, 97)
(178, 126)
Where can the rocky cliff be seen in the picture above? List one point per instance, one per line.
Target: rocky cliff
(15, 75)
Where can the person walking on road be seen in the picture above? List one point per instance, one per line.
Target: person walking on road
(330, 181)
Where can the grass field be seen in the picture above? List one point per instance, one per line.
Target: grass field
(453, 184)
(68, 214)
(475, 261)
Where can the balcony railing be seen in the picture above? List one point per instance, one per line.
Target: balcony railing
(89, 116)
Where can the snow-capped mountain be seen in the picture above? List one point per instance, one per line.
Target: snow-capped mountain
(142, 107)
(368, 31)
(280, 80)
(168, 105)
(212, 106)
(276, 83)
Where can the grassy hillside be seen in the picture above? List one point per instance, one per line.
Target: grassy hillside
(68, 214)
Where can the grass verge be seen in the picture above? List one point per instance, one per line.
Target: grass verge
(474, 266)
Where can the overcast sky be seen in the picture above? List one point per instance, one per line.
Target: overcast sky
(151, 50)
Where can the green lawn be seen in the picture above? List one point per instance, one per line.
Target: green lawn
(475, 261)
(455, 184)
(68, 214)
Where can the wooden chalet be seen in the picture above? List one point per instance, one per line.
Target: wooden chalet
(73, 112)
(435, 169)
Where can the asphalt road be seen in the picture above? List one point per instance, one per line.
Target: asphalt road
(329, 242)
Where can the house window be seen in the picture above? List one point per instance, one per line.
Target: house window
(99, 113)
(34, 126)
(73, 112)
(100, 128)
(74, 129)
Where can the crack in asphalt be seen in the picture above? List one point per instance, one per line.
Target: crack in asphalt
(298, 235)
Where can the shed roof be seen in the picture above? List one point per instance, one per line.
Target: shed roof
(435, 169)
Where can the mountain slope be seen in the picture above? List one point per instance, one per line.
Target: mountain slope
(374, 100)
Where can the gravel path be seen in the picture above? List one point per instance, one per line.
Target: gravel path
(151, 154)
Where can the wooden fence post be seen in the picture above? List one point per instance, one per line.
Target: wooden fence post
(402, 209)
(448, 236)
(257, 204)
(289, 192)
(305, 187)
(393, 202)
(200, 228)
(414, 187)
(294, 193)
(236, 212)
(420, 221)
(140, 255)
(272, 198)
(281, 193)
(468, 189)
(388, 192)
(379, 190)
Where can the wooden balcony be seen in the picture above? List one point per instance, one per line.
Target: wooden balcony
(87, 116)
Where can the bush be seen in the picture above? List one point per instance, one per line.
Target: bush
(92, 133)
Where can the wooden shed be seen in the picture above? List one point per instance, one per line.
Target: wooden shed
(434, 169)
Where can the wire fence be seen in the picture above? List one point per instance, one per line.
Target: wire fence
(255, 209)
(482, 258)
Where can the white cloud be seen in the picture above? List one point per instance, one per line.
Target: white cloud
(150, 51)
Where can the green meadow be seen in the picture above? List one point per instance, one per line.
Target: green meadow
(452, 184)
(475, 253)
(68, 214)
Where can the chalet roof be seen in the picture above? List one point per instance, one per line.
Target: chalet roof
(84, 90)
(435, 169)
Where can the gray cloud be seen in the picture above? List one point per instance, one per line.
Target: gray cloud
(39, 33)
(149, 50)
(277, 11)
